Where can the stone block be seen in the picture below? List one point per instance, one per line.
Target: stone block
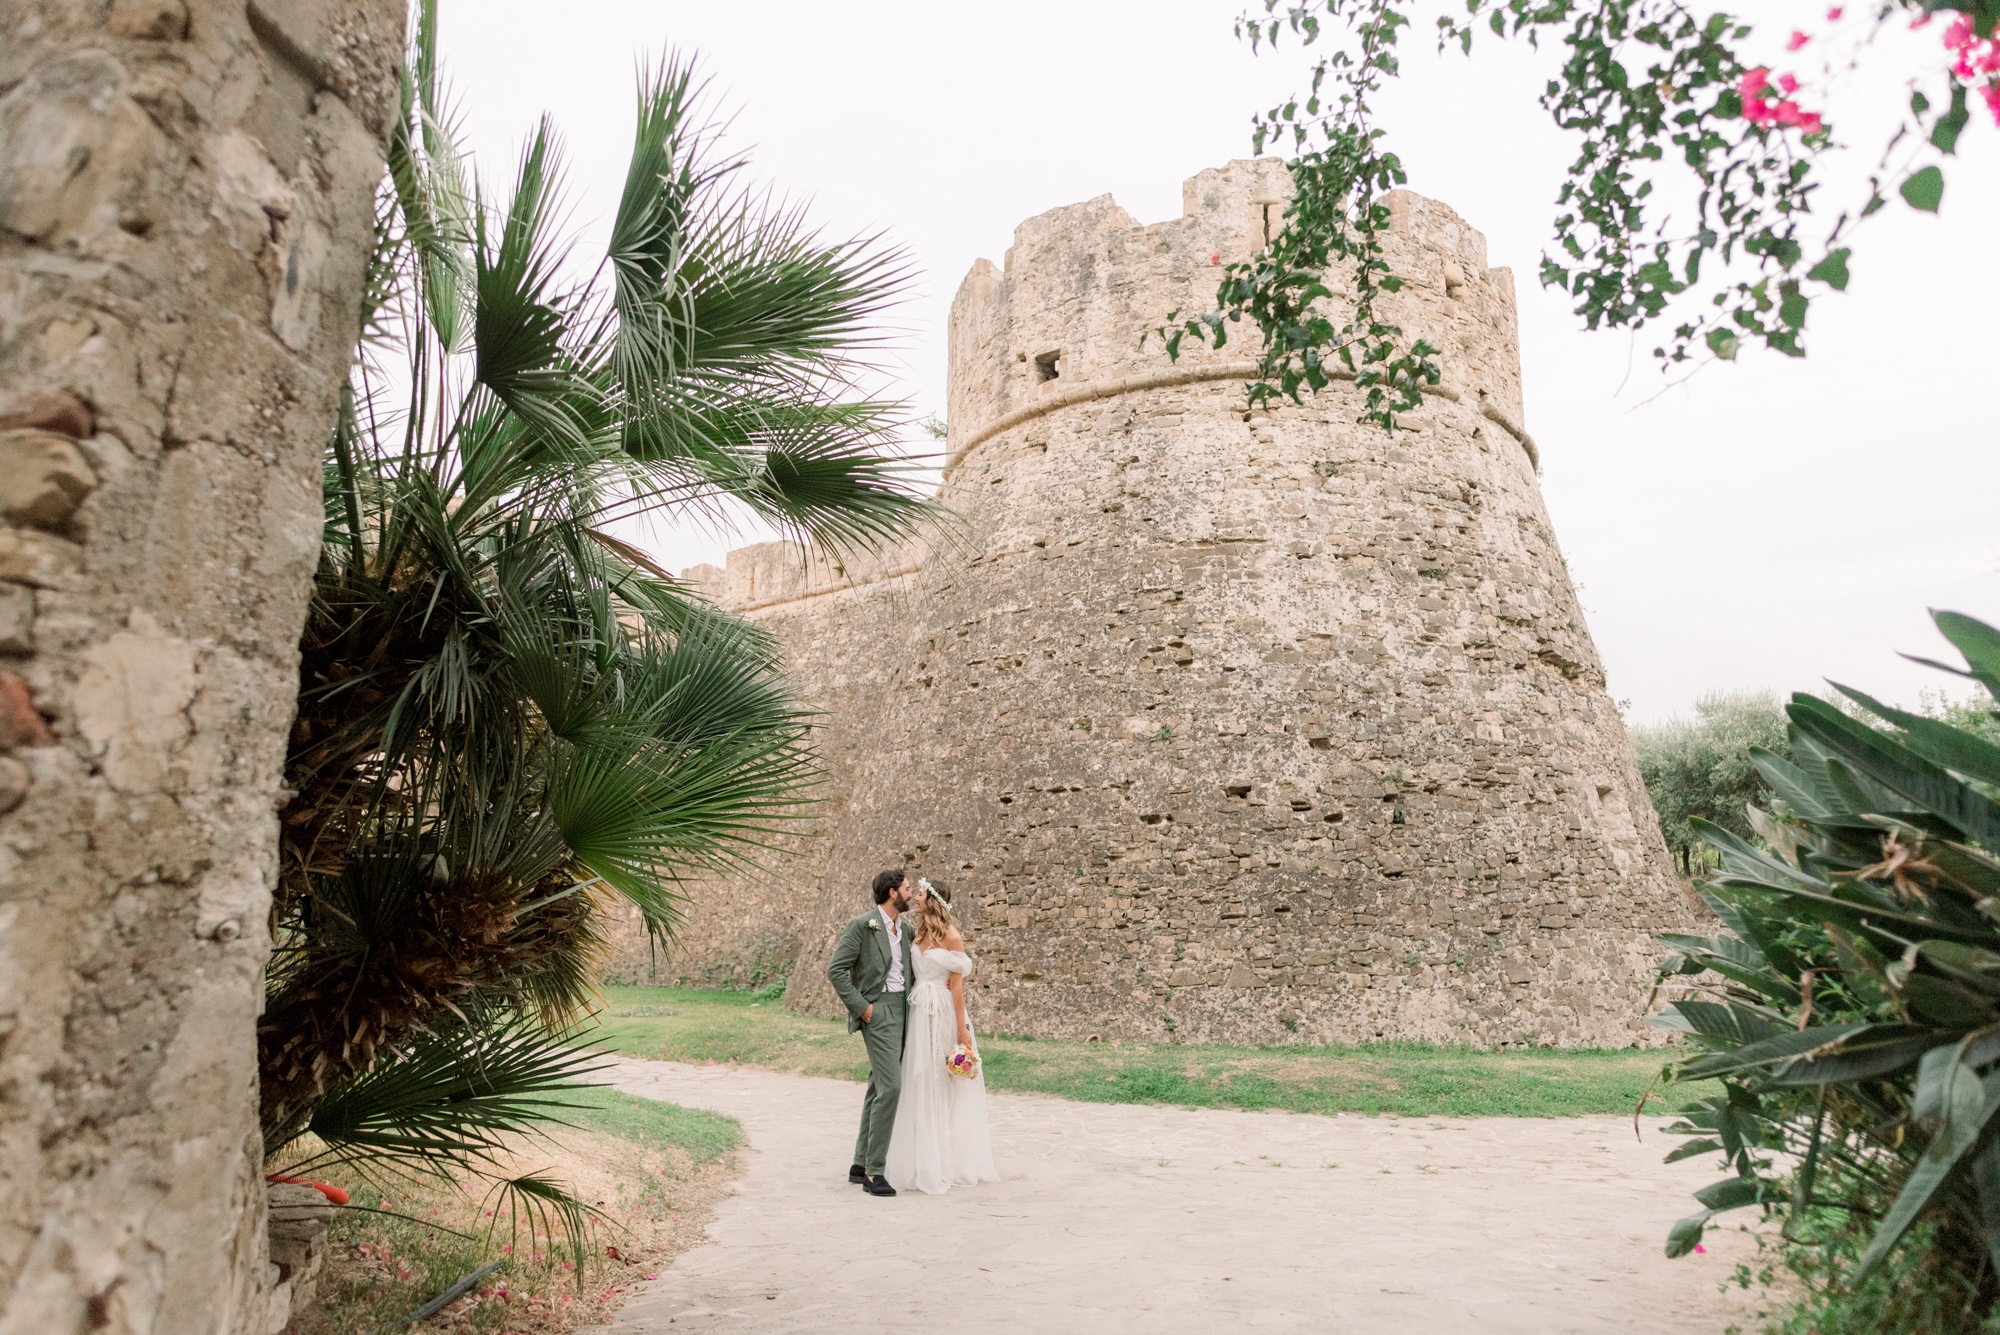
(17, 619)
(43, 477)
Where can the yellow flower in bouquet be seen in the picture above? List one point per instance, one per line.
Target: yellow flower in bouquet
(963, 1062)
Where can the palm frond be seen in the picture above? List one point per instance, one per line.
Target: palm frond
(451, 1098)
(548, 1208)
(518, 324)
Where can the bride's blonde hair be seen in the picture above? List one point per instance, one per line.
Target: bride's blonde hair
(934, 916)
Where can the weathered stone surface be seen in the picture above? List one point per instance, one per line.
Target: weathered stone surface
(298, 1218)
(17, 619)
(46, 410)
(170, 352)
(1227, 726)
(20, 723)
(43, 477)
(13, 784)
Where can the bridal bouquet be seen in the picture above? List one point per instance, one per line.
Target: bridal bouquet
(963, 1062)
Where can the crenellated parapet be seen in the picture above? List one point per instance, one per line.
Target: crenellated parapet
(1067, 319)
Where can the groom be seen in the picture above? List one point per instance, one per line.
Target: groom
(870, 970)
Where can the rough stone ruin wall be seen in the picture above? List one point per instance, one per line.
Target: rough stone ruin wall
(1226, 726)
(185, 213)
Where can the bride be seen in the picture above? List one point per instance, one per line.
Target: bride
(940, 1138)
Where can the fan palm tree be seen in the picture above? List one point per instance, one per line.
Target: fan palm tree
(510, 719)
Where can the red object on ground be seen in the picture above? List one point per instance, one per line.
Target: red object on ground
(332, 1193)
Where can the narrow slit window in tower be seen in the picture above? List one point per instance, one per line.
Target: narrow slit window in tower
(1048, 366)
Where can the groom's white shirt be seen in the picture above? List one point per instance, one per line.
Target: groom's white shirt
(894, 982)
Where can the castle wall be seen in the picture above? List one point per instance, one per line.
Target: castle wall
(1251, 728)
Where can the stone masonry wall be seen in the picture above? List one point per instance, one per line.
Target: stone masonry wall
(1252, 728)
(185, 214)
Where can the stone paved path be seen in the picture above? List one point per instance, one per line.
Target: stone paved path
(1126, 1218)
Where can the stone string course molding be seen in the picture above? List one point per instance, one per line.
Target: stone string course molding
(1224, 726)
(1240, 372)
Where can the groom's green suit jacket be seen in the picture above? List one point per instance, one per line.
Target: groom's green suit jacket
(860, 963)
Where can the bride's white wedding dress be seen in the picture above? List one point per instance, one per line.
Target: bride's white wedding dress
(940, 1138)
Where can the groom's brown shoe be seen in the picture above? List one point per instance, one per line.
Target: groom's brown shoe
(858, 1175)
(879, 1186)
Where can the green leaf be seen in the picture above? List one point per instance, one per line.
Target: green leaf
(1924, 190)
(1935, 740)
(1733, 1193)
(1688, 1149)
(1832, 270)
(1947, 1003)
(1883, 1049)
(1723, 1026)
(1792, 304)
(1769, 1051)
(1900, 769)
(1685, 1236)
(1979, 642)
(1730, 948)
(1745, 859)
(1723, 344)
(1944, 135)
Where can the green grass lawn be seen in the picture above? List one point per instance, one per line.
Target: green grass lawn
(1409, 1079)
(702, 1136)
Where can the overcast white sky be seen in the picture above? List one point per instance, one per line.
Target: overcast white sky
(1766, 525)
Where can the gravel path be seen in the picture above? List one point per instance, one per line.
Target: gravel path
(1136, 1218)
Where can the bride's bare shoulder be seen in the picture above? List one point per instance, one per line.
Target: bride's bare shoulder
(954, 939)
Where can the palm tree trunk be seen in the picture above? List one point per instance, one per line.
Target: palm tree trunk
(185, 211)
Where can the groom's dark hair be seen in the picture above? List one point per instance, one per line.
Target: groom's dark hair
(886, 883)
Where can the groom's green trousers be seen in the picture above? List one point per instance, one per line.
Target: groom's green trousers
(884, 1037)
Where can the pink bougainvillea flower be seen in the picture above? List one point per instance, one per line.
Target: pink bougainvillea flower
(1799, 39)
(1811, 123)
(1215, 257)
(1701, 1249)
(1787, 113)
(1787, 84)
(1753, 82)
(1833, 15)
(1991, 92)
(1757, 111)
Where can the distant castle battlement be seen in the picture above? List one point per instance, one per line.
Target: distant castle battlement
(1225, 725)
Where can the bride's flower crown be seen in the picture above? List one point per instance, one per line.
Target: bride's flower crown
(930, 892)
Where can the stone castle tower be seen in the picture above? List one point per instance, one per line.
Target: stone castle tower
(1252, 728)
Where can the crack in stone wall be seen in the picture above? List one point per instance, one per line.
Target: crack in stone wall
(1226, 726)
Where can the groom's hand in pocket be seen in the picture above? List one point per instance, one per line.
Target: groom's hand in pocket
(868, 1013)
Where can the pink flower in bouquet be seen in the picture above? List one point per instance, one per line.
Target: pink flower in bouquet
(963, 1062)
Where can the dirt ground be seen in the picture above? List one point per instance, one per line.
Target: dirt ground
(654, 1205)
(1139, 1218)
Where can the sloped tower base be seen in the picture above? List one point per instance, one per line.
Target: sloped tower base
(1225, 727)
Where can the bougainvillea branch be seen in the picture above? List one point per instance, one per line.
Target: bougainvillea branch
(1333, 226)
(1694, 159)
